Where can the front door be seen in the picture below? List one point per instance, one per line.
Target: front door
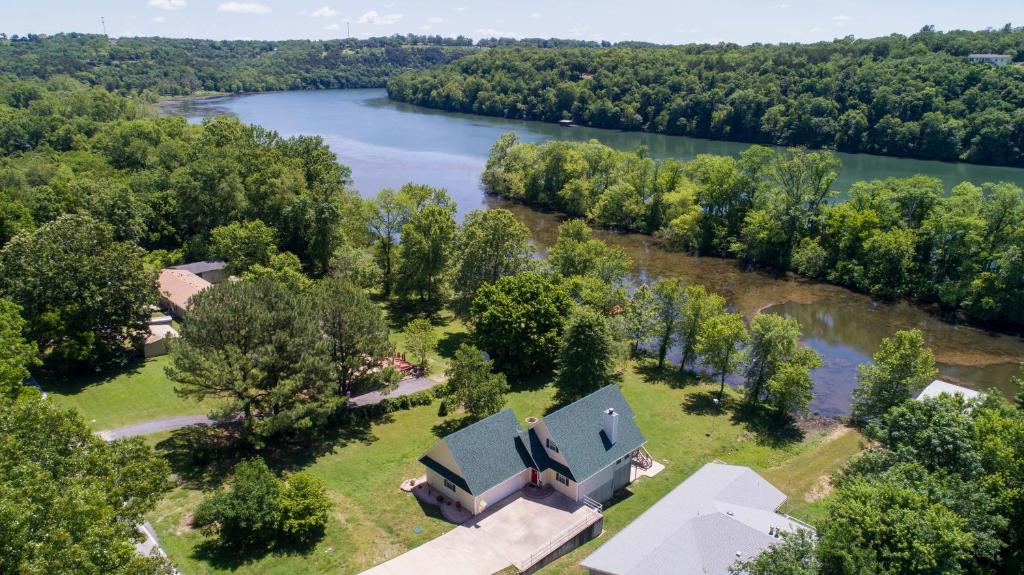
(534, 477)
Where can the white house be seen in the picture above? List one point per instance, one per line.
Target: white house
(719, 515)
(994, 59)
(583, 450)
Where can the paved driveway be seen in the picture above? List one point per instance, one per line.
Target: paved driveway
(506, 534)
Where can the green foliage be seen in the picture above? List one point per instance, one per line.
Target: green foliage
(283, 268)
(421, 340)
(518, 320)
(778, 367)
(641, 316)
(471, 384)
(256, 346)
(577, 253)
(720, 344)
(902, 365)
(697, 305)
(242, 245)
(428, 242)
(248, 512)
(492, 245)
(356, 266)
(795, 555)
(668, 294)
(86, 495)
(84, 296)
(304, 507)
(16, 354)
(586, 360)
(911, 96)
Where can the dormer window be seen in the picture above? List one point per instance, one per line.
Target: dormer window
(551, 445)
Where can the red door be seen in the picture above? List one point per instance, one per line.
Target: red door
(534, 477)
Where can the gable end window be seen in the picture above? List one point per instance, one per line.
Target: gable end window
(449, 485)
(551, 445)
(562, 479)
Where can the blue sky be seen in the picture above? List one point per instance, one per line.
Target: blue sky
(742, 21)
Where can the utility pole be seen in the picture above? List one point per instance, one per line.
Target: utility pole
(348, 28)
(104, 24)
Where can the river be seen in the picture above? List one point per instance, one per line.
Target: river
(388, 144)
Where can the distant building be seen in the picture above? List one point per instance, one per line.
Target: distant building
(177, 288)
(939, 387)
(721, 514)
(994, 59)
(156, 342)
(210, 270)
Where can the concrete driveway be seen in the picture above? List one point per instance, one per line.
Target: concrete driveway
(501, 536)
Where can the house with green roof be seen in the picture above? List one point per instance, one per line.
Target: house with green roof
(584, 450)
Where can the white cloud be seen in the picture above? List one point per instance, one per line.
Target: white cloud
(435, 20)
(490, 33)
(372, 17)
(325, 12)
(243, 8)
(841, 18)
(159, 19)
(168, 4)
(535, 15)
(781, 6)
(332, 27)
(460, 8)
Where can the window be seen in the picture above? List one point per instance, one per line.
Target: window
(551, 445)
(449, 485)
(562, 479)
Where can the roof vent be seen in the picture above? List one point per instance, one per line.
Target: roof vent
(610, 424)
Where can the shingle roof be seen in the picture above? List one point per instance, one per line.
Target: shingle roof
(201, 267)
(178, 286)
(578, 429)
(487, 452)
(938, 387)
(699, 527)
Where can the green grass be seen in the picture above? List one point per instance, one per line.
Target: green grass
(373, 520)
(138, 393)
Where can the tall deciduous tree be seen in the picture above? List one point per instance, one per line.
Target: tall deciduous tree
(641, 317)
(697, 305)
(243, 244)
(428, 240)
(720, 344)
(492, 245)
(472, 385)
(16, 354)
(85, 296)
(257, 347)
(388, 216)
(421, 340)
(901, 365)
(355, 332)
(586, 360)
(778, 367)
(668, 294)
(578, 253)
(69, 501)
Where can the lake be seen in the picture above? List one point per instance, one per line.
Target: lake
(388, 144)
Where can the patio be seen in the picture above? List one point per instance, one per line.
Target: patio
(511, 532)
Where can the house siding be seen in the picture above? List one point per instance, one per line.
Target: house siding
(603, 484)
(465, 499)
(502, 490)
(544, 435)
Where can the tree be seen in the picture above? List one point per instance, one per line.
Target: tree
(720, 344)
(386, 220)
(778, 367)
(243, 245)
(16, 354)
(901, 365)
(428, 240)
(795, 555)
(283, 268)
(697, 305)
(518, 320)
(578, 253)
(304, 507)
(668, 299)
(790, 389)
(248, 512)
(421, 340)
(84, 296)
(86, 495)
(355, 332)
(256, 346)
(586, 360)
(355, 265)
(472, 385)
(493, 244)
(641, 317)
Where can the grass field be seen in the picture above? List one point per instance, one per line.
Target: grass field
(138, 393)
(373, 520)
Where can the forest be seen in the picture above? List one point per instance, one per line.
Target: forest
(893, 238)
(909, 96)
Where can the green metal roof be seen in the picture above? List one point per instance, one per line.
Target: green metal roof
(578, 429)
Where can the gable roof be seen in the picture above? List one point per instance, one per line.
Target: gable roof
(487, 452)
(178, 286)
(201, 267)
(699, 527)
(938, 387)
(578, 429)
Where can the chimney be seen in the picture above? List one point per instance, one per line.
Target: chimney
(610, 424)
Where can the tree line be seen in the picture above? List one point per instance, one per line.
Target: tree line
(910, 96)
(892, 238)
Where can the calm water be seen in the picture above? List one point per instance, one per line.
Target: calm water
(388, 144)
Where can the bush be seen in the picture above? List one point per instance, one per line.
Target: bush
(304, 507)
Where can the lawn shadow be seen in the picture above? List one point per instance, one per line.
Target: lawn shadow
(400, 313)
(450, 342)
(668, 375)
(768, 427)
(565, 396)
(449, 426)
(203, 455)
(530, 382)
(302, 448)
(702, 402)
(223, 555)
(617, 497)
(70, 383)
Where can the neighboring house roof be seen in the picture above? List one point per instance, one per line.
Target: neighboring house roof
(158, 332)
(989, 56)
(178, 286)
(201, 267)
(496, 448)
(720, 514)
(578, 429)
(938, 387)
(487, 452)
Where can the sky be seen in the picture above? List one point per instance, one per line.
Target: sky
(662, 21)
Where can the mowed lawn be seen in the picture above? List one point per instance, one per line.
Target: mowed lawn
(373, 520)
(138, 393)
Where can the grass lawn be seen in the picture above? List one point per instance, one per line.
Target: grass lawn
(138, 393)
(373, 520)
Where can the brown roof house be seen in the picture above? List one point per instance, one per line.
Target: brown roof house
(177, 288)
